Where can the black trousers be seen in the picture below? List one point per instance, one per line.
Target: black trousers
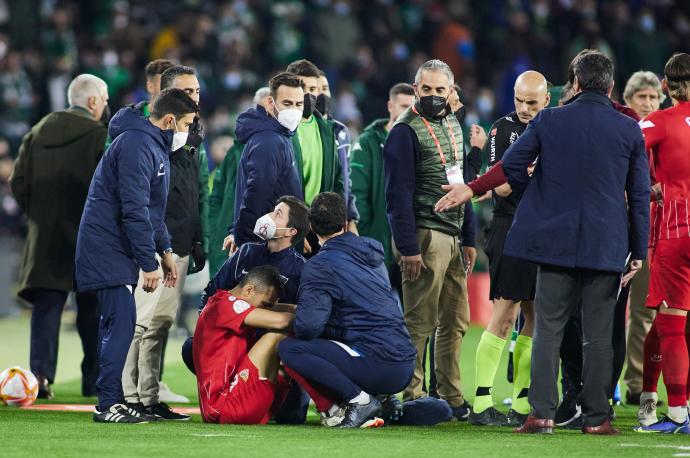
(560, 291)
(571, 348)
(45, 334)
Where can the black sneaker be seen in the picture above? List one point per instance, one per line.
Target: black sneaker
(575, 424)
(488, 417)
(515, 419)
(119, 413)
(391, 408)
(362, 415)
(161, 410)
(139, 410)
(462, 412)
(569, 409)
(44, 389)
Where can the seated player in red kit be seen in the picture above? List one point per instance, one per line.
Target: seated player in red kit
(237, 371)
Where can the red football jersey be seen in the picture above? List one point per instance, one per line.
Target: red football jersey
(667, 138)
(221, 342)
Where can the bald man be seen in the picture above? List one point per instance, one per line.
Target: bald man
(512, 280)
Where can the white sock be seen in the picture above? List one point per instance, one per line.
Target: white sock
(333, 410)
(362, 398)
(678, 414)
(647, 395)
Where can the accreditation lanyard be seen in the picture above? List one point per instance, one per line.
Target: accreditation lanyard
(433, 136)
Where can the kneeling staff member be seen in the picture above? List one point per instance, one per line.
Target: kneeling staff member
(350, 337)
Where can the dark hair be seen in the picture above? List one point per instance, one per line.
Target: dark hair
(173, 101)
(322, 73)
(571, 66)
(263, 278)
(157, 67)
(298, 217)
(327, 214)
(283, 79)
(594, 71)
(168, 76)
(677, 74)
(566, 92)
(400, 89)
(303, 67)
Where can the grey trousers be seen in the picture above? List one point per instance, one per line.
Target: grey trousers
(559, 290)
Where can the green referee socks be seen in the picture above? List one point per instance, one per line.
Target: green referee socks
(489, 353)
(522, 362)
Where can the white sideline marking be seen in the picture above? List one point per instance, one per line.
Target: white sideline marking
(242, 436)
(676, 447)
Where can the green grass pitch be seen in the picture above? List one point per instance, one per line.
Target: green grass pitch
(67, 434)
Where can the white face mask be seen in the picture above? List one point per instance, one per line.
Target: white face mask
(266, 228)
(289, 117)
(179, 138)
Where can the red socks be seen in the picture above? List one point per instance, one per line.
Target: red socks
(323, 399)
(651, 366)
(674, 365)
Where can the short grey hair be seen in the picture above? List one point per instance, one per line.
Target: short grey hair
(260, 94)
(642, 80)
(435, 65)
(84, 86)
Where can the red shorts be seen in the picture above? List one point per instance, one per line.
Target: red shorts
(250, 400)
(669, 278)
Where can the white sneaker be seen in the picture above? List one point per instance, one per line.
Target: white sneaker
(165, 394)
(646, 414)
(334, 419)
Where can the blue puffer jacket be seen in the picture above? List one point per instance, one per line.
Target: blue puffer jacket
(266, 171)
(122, 225)
(345, 295)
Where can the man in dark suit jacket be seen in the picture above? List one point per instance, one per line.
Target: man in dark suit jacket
(575, 223)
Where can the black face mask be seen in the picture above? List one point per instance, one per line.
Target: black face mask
(309, 105)
(105, 116)
(323, 104)
(432, 106)
(460, 115)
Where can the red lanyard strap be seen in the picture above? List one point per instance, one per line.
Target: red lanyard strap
(433, 136)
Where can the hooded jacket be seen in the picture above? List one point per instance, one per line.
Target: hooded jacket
(266, 170)
(122, 226)
(288, 262)
(50, 181)
(345, 295)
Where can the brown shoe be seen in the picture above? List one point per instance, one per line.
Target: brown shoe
(604, 429)
(534, 425)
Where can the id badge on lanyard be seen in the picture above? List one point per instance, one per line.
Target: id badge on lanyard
(454, 173)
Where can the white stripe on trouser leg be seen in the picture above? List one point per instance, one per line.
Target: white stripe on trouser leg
(349, 350)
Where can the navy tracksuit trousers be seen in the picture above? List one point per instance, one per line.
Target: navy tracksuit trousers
(118, 316)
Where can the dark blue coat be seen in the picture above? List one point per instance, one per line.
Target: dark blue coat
(288, 262)
(573, 212)
(122, 225)
(345, 295)
(266, 171)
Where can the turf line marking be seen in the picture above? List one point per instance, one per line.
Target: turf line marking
(675, 447)
(242, 436)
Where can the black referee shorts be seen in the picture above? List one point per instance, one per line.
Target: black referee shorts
(510, 278)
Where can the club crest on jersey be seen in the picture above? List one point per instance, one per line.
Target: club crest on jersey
(244, 375)
(240, 306)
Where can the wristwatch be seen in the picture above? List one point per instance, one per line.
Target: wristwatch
(167, 251)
